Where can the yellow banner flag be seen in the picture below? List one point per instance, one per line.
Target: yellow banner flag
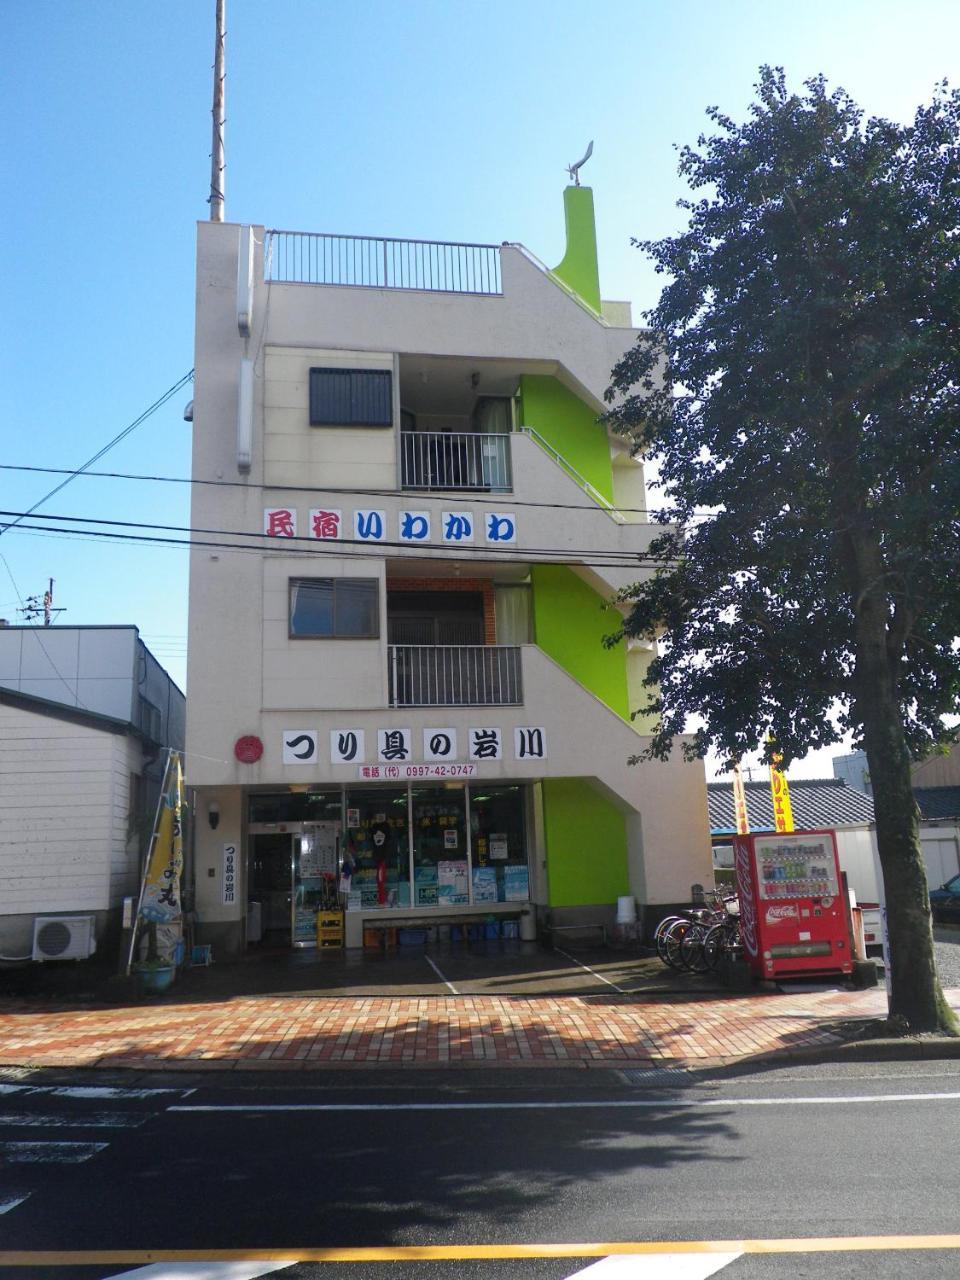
(740, 802)
(160, 903)
(782, 811)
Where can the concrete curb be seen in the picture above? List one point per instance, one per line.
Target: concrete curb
(880, 1049)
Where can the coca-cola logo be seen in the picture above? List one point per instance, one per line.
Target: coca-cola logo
(782, 911)
(748, 907)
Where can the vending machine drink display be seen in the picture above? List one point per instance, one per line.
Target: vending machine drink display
(793, 920)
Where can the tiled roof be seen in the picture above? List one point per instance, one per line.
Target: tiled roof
(938, 802)
(819, 802)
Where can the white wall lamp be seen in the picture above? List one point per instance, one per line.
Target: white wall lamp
(213, 815)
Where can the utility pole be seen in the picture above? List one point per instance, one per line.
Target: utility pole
(35, 606)
(217, 163)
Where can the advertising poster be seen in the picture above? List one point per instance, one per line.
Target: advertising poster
(484, 884)
(425, 880)
(499, 851)
(452, 882)
(516, 885)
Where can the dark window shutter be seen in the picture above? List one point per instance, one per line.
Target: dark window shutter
(351, 397)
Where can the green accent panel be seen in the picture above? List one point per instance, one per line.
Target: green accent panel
(586, 843)
(570, 624)
(579, 270)
(569, 426)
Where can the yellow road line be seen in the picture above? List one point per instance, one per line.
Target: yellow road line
(464, 1252)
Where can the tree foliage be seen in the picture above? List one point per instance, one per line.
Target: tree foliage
(799, 389)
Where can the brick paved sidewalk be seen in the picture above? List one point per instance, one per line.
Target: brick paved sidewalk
(300, 1033)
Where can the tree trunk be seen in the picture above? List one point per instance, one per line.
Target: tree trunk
(916, 1001)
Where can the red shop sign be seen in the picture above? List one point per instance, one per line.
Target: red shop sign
(249, 749)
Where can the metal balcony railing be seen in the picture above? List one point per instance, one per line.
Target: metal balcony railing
(455, 675)
(451, 460)
(373, 262)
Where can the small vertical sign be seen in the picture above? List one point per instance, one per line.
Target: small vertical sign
(229, 875)
(740, 802)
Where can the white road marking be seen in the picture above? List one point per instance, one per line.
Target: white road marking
(631, 1104)
(661, 1266)
(49, 1152)
(449, 985)
(91, 1091)
(10, 1199)
(75, 1119)
(202, 1271)
(574, 960)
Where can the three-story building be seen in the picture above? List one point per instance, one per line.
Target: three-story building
(408, 525)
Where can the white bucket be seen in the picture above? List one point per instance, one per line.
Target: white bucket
(626, 910)
(528, 924)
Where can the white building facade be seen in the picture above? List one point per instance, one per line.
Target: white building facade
(408, 526)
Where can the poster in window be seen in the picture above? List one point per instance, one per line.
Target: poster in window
(450, 838)
(452, 882)
(484, 884)
(499, 847)
(516, 885)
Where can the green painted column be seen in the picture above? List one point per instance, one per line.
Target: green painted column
(586, 842)
(579, 269)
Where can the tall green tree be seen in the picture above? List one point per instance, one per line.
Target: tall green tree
(800, 391)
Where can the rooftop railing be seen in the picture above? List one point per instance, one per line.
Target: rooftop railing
(373, 262)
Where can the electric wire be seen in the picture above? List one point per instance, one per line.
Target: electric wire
(613, 558)
(321, 547)
(499, 500)
(121, 435)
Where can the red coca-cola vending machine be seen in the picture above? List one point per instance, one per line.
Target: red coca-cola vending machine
(793, 919)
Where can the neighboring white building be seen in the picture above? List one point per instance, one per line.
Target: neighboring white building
(85, 715)
(830, 803)
(403, 670)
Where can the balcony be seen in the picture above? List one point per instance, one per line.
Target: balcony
(455, 675)
(375, 262)
(440, 460)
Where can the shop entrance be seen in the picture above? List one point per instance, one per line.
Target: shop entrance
(291, 875)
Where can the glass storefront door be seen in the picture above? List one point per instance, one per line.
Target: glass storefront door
(316, 858)
(269, 885)
(440, 855)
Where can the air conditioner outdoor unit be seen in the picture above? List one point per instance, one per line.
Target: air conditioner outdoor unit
(64, 937)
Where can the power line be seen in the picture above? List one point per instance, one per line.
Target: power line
(317, 544)
(319, 547)
(72, 475)
(499, 500)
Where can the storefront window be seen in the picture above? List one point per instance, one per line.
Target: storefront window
(295, 806)
(499, 847)
(376, 846)
(440, 869)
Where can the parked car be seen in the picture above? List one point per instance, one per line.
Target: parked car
(945, 901)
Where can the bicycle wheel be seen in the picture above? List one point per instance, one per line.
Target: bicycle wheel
(692, 954)
(672, 942)
(714, 945)
(660, 934)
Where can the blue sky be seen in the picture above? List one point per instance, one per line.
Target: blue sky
(427, 119)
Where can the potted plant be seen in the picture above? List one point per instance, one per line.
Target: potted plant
(154, 972)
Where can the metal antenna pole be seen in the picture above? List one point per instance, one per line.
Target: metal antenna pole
(217, 163)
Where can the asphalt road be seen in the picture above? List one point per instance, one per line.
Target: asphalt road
(509, 1160)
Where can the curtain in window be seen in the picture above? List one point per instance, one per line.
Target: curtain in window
(514, 614)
